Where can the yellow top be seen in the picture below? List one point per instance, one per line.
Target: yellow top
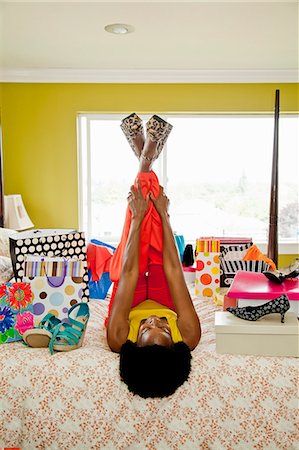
(149, 308)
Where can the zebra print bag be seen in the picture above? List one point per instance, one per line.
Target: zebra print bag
(231, 261)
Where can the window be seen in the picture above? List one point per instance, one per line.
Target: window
(216, 171)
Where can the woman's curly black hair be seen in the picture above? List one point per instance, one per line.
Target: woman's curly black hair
(154, 370)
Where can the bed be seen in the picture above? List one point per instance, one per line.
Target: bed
(76, 400)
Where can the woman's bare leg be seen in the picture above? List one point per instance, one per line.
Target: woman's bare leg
(138, 142)
(147, 156)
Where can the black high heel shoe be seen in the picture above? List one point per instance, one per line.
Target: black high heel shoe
(279, 305)
(278, 276)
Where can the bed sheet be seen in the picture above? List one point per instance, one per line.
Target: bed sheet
(76, 401)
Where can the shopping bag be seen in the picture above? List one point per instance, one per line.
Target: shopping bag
(180, 242)
(99, 255)
(207, 275)
(67, 243)
(56, 285)
(15, 311)
(232, 249)
(232, 260)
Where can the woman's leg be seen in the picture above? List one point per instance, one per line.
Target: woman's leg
(147, 156)
(158, 289)
(151, 230)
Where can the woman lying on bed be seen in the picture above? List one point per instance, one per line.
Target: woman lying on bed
(152, 322)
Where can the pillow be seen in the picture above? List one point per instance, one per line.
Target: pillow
(5, 233)
(6, 271)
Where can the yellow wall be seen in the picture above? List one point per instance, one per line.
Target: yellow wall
(39, 130)
(285, 260)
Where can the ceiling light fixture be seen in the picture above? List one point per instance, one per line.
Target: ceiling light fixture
(119, 28)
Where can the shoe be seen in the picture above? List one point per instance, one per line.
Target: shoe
(278, 276)
(279, 305)
(158, 131)
(40, 336)
(132, 127)
(68, 337)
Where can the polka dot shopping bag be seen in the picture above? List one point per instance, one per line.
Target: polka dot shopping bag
(66, 243)
(56, 285)
(207, 278)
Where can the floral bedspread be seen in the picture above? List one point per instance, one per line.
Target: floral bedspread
(76, 401)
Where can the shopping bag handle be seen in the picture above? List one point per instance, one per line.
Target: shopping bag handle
(57, 281)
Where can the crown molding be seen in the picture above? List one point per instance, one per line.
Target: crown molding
(147, 76)
(152, 1)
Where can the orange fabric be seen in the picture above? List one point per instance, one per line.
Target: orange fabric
(98, 260)
(254, 253)
(151, 244)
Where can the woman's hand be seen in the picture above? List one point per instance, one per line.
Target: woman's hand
(137, 203)
(161, 203)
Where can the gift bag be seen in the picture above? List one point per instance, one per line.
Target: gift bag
(232, 260)
(15, 311)
(99, 255)
(56, 285)
(207, 275)
(180, 242)
(65, 243)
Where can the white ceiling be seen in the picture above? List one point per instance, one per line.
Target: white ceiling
(174, 37)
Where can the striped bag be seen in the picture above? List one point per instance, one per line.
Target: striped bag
(56, 285)
(231, 261)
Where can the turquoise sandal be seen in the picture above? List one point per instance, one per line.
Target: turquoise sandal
(40, 336)
(68, 337)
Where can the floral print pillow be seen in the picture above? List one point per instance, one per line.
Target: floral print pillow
(5, 234)
(15, 311)
(6, 271)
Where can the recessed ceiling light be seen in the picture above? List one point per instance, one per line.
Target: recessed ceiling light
(119, 28)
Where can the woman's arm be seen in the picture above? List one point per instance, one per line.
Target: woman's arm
(118, 325)
(188, 322)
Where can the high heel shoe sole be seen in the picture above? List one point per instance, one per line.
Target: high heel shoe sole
(37, 338)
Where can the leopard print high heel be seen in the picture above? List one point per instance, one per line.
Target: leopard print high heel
(158, 131)
(133, 128)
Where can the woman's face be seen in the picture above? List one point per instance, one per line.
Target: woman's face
(154, 330)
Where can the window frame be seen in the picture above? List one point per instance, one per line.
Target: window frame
(161, 168)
